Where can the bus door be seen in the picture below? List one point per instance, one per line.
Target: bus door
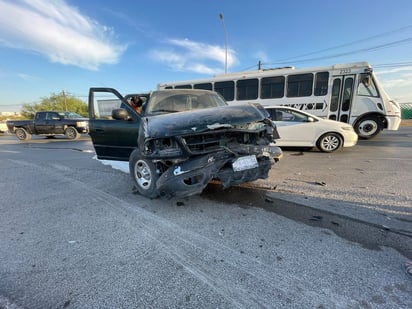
(341, 100)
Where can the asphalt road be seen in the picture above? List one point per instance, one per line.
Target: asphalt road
(325, 231)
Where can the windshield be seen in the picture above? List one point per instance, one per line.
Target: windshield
(172, 101)
(367, 86)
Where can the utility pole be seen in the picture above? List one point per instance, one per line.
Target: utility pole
(224, 28)
(65, 101)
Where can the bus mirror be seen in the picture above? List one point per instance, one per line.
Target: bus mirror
(366, 80)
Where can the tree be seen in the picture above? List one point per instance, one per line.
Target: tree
(56, 102)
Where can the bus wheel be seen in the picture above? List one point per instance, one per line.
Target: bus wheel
(368, 127)
(329, 142)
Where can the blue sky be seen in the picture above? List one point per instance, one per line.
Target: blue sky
(47, 46)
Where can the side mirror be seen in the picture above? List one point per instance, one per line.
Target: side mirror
(120, 114)
(311, 119)
(367, 80)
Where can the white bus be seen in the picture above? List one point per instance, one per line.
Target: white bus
(348, 93)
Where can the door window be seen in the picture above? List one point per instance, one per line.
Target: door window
(334, 102)
(347, 94)
(288, 115)
(104, 103)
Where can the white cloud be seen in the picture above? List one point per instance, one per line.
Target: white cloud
(408, 69)
(187, 55)
(24, 76)
(57, 30)
(397, 82)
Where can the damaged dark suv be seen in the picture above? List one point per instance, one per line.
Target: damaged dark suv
(181, 139)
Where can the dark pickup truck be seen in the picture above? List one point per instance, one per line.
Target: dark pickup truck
(50, 124)
(182, 139)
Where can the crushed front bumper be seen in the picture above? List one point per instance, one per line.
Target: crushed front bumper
(192, 176)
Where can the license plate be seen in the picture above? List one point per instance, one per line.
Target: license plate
(245, 163)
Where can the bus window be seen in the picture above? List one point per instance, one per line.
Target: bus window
(272, 87)
(321, 83)
(183, 87)
(247, 89)
(205, 86)
(226, 89)
(300, 85)
(347, 94)
(367, 88)
(334, 101)
(344, 118)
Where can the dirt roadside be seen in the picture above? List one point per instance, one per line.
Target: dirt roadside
(406, 122)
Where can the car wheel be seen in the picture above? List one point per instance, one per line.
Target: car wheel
(329, 142)
(71, 133)
(22, 134)
(144, 174)
(368, 127)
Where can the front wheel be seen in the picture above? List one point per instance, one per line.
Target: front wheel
(71, 133)
(368, 127)
(144, 174)
(22, 134)
(329, 142)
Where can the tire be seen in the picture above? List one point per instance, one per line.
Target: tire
(144, 174)
(71, 133)
(368, 127)
(22, 134)
(329, 142)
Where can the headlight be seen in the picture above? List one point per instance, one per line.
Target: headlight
(164, 147)
(81, 124)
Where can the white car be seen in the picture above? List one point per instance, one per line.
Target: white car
(300, 129)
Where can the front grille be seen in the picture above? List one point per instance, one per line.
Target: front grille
(203, 143)
(214, 141)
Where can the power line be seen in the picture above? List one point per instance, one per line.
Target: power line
(393, 65)
(287, 61)
(350, 43)
(373, 48)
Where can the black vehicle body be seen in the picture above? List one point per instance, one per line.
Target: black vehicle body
(176, 152)
(50, 123)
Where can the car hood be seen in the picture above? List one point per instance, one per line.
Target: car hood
(196, 121)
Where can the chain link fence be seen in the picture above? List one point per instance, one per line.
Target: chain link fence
(406, 110)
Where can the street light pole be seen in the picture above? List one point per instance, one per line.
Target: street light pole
(224, 28)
